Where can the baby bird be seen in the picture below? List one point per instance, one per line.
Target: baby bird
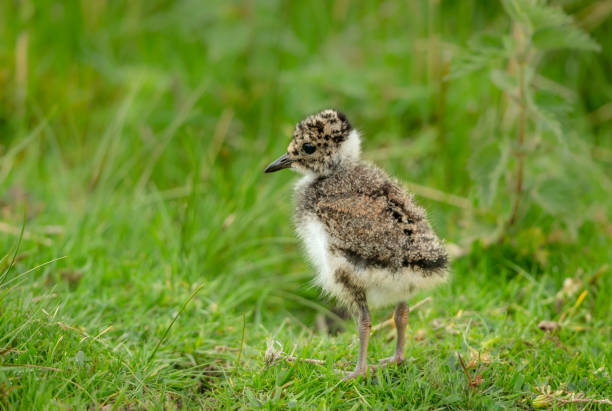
(370, 242)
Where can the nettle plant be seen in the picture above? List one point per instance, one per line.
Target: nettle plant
(527, 156)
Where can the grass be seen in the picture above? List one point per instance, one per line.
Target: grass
(157, 260)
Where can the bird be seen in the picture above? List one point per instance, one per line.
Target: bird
(370, 242)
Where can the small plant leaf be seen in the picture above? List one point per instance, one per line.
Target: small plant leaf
(546, 118)
(503, 80)
(515, 11)
(567, 37)
(483, 51)
(486, 167)
(556, 195)
(535, 14)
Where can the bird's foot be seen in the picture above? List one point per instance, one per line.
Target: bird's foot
(358, 372)
(396, 359)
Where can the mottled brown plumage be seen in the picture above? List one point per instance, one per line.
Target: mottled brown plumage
(371, 221)
(370, 241)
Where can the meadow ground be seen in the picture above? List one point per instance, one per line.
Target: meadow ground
(157, 263)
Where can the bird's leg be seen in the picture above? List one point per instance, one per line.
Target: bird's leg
(364, 325)
(400, 318)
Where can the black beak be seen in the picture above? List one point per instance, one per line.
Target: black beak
(282, 162)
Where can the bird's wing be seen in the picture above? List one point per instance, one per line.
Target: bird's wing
(383, 227)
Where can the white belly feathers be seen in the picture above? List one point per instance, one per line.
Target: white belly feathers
(382, 287)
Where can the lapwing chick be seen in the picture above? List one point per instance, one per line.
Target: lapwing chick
(371, 244)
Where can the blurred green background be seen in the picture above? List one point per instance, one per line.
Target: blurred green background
(136, 133)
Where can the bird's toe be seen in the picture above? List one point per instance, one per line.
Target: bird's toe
(396, 359)
(355, 374)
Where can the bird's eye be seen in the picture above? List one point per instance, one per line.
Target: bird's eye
(308, 148)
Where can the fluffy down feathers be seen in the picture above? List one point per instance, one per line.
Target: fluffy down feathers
(372, 222)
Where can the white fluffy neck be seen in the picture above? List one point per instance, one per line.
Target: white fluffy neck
(350, 149)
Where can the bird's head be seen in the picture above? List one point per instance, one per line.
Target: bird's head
(321, 144)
